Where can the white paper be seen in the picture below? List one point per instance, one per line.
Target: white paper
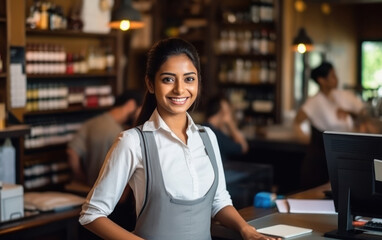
(282, 205)
(378, 170)
(95, 19)
(18, 86)
(311, 206)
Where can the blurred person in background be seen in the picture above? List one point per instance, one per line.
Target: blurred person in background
(331, 109)
(219, 117)
(89, 146)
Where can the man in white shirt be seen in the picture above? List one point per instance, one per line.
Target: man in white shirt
(330, 109)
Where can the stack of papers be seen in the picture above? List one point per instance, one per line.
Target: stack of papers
(51, 201)
(305, 206)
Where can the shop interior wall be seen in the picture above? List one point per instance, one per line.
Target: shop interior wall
(337, 33)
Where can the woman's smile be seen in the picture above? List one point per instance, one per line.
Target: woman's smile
(178, 100)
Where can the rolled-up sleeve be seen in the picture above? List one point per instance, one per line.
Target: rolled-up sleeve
(120, 164)
(222, 197)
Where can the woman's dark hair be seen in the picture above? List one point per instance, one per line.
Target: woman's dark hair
(321, 71)
(157, 55)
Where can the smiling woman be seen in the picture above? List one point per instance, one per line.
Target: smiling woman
(172, 165)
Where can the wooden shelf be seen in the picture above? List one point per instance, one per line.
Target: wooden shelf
(70, 76)
(15, 131)
(249, 26)
(269, 86)
(3, 19)
(69, 33)
(253, 56)
(67, 110)
(44, 154)
(257, 113)
(3, 75)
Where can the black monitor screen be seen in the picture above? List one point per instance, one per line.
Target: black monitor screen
(351, 158)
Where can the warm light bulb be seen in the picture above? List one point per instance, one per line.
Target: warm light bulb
(299, 5)
(124, 25)
(301, 48)
(325, 8)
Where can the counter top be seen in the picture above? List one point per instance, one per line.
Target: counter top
(15, 131)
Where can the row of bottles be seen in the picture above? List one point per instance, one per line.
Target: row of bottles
(245, 99)
(41, 174)
(45, 58)
(246, 42)
(247, 71)
(261, 104)
(259, 11)
(47, 15)
(53, 96)
(51, 131)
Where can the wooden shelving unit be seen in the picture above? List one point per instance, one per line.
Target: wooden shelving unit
(232, 21)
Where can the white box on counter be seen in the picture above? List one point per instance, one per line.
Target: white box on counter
(12, 202)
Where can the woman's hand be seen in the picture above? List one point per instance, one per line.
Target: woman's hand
(250, 233)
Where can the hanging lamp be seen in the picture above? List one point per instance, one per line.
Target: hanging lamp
(126, 17)
(302, 42)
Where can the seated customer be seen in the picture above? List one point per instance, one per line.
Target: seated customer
(244, 179)
(88, 148)
(330, 109)
(219, 118)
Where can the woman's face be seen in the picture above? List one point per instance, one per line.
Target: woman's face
(332, 79)
(176, 86)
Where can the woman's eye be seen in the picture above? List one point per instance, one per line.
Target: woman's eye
(190, 79)
(167, 80)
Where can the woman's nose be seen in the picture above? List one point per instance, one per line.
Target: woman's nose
(179, 87)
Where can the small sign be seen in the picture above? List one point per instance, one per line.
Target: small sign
(378, 170)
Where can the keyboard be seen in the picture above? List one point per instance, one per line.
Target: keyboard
(372, 226)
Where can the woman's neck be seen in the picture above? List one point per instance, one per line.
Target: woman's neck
(177, 124)
(325, 91)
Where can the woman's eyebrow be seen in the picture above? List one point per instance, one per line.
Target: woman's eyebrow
(167, 73)
(189, 73)
(173, 74)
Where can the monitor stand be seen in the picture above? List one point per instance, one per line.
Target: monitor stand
(345, 218)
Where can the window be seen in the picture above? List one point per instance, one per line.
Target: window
(371, 64)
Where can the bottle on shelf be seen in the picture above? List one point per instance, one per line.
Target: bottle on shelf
(1, 64)
(255, 11)
(109, 59)
(264, 42)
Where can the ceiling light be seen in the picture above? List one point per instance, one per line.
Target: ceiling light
(302, 42)
(126, 17)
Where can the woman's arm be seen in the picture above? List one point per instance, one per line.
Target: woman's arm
(229, 217)
(107, 229)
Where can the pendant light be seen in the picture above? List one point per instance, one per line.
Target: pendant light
(302, 42)
(126, 17)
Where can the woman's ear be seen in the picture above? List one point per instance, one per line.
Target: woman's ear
(149, 85)
(321, 81)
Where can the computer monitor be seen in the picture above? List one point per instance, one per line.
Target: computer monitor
(353, 160)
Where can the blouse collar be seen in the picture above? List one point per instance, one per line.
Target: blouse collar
(156, 122)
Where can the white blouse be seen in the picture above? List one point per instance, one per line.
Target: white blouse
(186, 168)
(322, 110)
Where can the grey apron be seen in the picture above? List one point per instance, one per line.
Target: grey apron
(163, 217)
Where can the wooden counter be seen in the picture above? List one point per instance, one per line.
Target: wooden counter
(250, 213)
(53, 225)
